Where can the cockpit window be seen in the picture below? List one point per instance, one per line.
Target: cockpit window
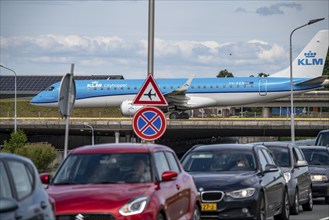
(51, 88)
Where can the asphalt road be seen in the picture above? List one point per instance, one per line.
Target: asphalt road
(320, 212)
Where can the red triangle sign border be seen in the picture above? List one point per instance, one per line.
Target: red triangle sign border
(138, 101)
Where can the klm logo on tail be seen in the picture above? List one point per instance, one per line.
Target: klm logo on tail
(310, 60)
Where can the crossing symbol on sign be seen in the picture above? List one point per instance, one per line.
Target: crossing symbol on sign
(149, 123)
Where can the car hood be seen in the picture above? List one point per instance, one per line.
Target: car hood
(319, 169)
(95, 198)
(225, 181)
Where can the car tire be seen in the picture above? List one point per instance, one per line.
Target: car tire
(261, 207)
(309, 205)
(294, 210)
(326, 199)
(284, 215)
(196, 213)
(161, 217)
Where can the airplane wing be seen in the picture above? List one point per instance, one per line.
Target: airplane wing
(178, 96)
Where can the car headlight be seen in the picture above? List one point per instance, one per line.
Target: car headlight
(242, 193)
(319, 177)
(287, 176)
(134, 206)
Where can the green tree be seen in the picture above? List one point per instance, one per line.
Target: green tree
(17, 141)
(224, 73)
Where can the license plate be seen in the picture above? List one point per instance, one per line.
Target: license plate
(208, 206)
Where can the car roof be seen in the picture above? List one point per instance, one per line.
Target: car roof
(14, 156)
(314, 147)
(120, 148)
(223, 146)
(278, 144)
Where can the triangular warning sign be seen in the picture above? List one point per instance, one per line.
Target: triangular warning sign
(150, 94)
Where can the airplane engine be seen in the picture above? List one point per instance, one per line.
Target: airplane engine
(128, 109)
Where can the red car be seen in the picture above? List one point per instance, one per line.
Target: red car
(123, 181)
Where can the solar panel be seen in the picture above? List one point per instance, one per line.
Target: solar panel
(35, 84)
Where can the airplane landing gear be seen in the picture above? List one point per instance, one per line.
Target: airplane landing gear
(177, 115)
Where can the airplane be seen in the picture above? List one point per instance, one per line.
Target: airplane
(183, 95)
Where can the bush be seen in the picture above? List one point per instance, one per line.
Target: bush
(41, 154)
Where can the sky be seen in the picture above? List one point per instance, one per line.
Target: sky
(191, 37)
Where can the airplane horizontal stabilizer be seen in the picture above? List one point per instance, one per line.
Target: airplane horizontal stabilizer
(317, 80)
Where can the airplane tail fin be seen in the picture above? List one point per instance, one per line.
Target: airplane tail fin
(310, 62)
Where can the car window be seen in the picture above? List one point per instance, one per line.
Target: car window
(322, 139)
(172, 162)
(161, 163)
(268, 156)
(316, 156)
(220, 160)
(262, 159)
(22, 179)
(5, 190)
(299, 154)
(105, 168)
(281, 155)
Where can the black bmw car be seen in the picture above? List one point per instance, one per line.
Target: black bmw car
(239, 181)
(318, 161)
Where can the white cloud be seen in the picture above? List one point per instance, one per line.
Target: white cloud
(274, 53)
(118, 54)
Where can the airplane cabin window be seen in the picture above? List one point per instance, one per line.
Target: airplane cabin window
(224, 86)
(115, 88)
(237, 86)
(135, 87)
(204, 86)
(217, 86)
(108, 88)
(95, 88)
(198, 87)
(88, 88)
(192, 87)
(211, 86)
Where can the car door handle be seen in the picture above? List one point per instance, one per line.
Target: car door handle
(177, 186)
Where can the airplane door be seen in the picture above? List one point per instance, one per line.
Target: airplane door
(262, 87)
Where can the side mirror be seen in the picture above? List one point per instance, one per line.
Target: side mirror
(7, 204)
(301, 163)
(45, 178)
(168, 175)
(271, 168)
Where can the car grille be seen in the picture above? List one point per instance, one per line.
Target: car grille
(86, 217)
(212, 196)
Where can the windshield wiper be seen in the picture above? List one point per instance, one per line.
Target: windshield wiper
(66, 183)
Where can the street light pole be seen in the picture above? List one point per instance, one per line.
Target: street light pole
(15, 100)
(92, 132)
(291, 80)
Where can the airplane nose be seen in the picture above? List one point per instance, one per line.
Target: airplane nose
(35, 100)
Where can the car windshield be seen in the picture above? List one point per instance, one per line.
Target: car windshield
(220, 160)
(281, 156)
(316, 156)
(104, 168)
